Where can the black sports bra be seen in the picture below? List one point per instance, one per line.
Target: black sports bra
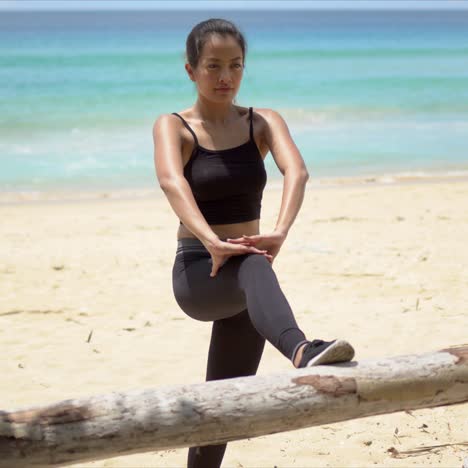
(227, 184)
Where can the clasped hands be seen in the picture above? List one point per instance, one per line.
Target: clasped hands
(270, 242)
(267, 245)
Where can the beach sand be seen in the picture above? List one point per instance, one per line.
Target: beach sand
(86, 307)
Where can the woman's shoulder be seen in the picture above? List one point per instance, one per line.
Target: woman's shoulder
(171, 117)
(266, 113)
(258, 112)
(169, 126)
(270, 120)
(169, 121)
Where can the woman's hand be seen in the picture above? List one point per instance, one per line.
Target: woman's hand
(271, 242)
(221, 251)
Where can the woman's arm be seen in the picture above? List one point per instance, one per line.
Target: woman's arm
(292, 166)
(170, 174)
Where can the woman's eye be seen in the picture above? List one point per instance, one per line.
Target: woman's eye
(236, 65)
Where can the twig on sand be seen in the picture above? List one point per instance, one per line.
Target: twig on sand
(421, 450)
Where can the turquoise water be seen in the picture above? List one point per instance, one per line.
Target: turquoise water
(362, 92)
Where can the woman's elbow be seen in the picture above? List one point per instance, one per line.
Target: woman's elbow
(165, 184)
(303, 175)
(169, 183)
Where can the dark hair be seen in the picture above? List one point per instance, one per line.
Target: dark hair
(200, 32)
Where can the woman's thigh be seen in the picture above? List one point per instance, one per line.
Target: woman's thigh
(201, 296)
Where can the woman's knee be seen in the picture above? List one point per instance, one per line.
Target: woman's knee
(205, 306)
(198, 308)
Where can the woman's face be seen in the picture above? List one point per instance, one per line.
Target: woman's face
(218, 74)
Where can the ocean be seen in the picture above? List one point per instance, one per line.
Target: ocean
(363, 92)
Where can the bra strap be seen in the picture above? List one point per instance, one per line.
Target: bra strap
(187, 126)
(251, 123)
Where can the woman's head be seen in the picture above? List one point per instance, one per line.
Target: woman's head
(215, 56)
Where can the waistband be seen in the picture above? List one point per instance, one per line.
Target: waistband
(193, 244)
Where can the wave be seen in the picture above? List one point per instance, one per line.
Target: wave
(17, 59)
(380, 52)
(418, 117)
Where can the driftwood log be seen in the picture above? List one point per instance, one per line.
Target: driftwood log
(107, 426)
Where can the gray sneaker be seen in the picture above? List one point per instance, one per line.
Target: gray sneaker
(326, 352)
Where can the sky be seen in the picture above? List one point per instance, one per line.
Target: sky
(228, 4)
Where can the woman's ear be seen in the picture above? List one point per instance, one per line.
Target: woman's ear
(189, 71)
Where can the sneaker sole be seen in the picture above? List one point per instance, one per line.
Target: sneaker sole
(339, 351)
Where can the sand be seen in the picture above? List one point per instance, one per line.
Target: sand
(86, 307)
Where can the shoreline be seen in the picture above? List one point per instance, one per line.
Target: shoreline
(21, 197)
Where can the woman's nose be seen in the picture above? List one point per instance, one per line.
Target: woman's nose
(225, 76)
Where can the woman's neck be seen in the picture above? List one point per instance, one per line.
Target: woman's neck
(215, 114)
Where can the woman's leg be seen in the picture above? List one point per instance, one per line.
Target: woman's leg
(268, 307)
(247, 282)
(273, 318)
(235, 351)
(243, 282)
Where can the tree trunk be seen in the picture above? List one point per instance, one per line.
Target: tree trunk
(213, 412)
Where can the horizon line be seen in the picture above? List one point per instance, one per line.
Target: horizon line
(462, 7)
(232, 5)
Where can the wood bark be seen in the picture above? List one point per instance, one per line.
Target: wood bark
(106, 426)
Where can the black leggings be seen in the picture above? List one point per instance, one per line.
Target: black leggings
(246, 305)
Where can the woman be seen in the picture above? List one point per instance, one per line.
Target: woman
(209, 163)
